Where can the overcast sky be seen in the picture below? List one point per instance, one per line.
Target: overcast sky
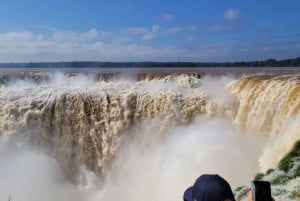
(152, 30)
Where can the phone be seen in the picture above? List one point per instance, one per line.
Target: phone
(261, 191)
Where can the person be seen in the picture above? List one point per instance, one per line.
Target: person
(209, 187)
(212, 187)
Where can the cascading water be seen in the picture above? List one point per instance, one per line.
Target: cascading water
(270, 104)
(144, 137)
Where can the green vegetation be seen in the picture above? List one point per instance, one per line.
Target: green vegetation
(295, 194)
(269, 171)
(279, 192)
(240, 192)
(239, 188)
(259, 176)
(287, 162)
(280, 180)
(283, 179)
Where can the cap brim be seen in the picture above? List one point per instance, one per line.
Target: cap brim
(188, 194)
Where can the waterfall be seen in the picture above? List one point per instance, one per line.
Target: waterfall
(270, 104)
(157, 129)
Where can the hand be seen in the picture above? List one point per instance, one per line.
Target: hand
(250, 195)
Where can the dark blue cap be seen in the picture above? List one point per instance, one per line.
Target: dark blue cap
(209, 188)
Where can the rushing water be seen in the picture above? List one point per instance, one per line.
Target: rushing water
(140, 136)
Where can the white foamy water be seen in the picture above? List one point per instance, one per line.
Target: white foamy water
(76, 138)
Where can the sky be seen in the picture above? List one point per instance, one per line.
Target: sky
(148, 30)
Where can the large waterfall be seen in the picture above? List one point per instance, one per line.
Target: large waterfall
(270, 104)
(140, 137)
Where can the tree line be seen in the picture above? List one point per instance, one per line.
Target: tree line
(294, 62)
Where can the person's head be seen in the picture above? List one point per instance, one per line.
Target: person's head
(209, 188)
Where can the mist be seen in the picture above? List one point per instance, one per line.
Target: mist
(164, 170)
(146, 169)
(29, 175)
(152, 164)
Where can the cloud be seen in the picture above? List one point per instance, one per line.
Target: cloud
(155, 28)
(91, 45)
(90, 35)
(218, 27)
(231, 14)
(144, 33)
(174, 30)
(154, 31)
(99, 45)
(135, 30)
(18, 36)
(166, 17)
(148, 36)
(151, 34)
